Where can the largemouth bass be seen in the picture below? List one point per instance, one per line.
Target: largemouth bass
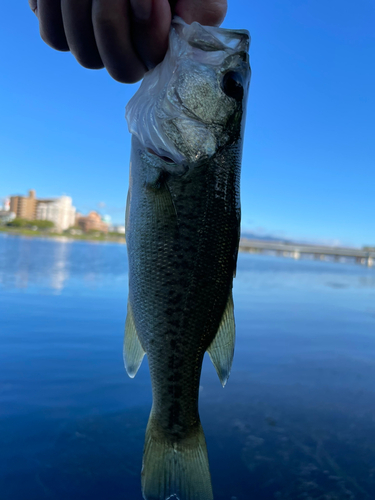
(182, 233)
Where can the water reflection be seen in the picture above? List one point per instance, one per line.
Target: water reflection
(49, 263)
(26, 261)
(59, 271)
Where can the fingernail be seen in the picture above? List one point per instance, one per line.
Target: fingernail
(141, 9)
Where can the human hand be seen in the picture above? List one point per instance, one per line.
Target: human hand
(127, 37)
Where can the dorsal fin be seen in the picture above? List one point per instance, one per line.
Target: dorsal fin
(221, 349)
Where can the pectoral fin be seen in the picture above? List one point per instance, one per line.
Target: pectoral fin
(221, 349)
(133, 351)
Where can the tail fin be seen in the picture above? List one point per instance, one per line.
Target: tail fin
(178, 469)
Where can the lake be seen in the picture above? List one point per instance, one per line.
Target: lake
(295, 421)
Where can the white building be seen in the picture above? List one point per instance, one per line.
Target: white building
(59, 211)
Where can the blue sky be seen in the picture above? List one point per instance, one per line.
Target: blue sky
(309, 157)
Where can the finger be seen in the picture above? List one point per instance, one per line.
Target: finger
(51, 24)
(111, 21)
(151, 21)
(79, 32)
(209, 12)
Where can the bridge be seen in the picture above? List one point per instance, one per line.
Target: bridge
(294, 250)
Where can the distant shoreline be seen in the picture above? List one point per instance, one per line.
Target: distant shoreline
(59, 236)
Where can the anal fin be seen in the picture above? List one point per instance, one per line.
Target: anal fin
(221, 349)
(133, 351)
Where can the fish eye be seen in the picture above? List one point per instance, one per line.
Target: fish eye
(232, 85)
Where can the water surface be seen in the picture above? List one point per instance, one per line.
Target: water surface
(295, 421)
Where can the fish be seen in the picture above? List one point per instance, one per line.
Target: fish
(182, 231)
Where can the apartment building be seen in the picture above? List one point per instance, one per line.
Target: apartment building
(24, 206)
